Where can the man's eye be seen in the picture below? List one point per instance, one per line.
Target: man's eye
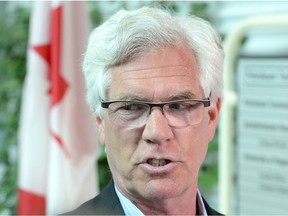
(183, 106)
(177, 106)
(132, 107)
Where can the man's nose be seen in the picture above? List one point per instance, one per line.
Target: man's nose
(157, 129)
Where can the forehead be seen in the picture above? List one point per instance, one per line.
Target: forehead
(157, 75)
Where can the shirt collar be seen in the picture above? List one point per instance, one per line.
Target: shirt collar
(200, 206)
(130, 209)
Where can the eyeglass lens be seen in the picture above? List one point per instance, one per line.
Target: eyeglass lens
(178, 114)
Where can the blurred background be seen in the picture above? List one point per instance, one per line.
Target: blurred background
(225, 16)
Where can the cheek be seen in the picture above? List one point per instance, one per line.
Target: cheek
(120, 146)
(194, 141)
(120, 137)
(113, 141)
(117, 154)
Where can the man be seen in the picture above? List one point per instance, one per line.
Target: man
(154, 83)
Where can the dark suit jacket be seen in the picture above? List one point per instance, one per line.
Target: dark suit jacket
(107, 203)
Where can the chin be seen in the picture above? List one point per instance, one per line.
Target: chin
(161, 189)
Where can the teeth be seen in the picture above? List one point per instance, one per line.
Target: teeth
(158, 163)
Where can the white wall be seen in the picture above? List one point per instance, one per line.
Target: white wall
(267, 42)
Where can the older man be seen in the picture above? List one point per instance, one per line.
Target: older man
(154, 82)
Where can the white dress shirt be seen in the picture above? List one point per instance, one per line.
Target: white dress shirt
(130, 208)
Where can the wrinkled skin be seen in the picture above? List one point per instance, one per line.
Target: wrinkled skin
(163, 75)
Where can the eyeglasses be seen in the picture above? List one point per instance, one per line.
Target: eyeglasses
(179, 113)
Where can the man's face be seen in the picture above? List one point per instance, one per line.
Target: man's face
(158, 77)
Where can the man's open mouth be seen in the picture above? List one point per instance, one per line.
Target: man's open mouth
(158, 162)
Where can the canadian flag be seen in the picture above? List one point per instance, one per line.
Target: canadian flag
(57, 136)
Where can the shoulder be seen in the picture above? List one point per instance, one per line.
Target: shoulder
(106, 203)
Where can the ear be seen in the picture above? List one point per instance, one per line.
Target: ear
(214, 113)
(100, 125)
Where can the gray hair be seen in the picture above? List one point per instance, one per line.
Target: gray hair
(129, 34)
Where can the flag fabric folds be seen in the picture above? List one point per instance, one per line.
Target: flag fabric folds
(58, 144)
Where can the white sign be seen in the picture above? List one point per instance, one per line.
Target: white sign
(262, 136)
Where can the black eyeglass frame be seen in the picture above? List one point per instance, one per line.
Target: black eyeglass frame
(206, 102)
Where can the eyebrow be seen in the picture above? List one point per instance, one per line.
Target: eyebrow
(182, 96)
(130, 97)
(179, 96)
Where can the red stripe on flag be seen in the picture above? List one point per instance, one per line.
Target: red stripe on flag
(59, 85)
(30, 203)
